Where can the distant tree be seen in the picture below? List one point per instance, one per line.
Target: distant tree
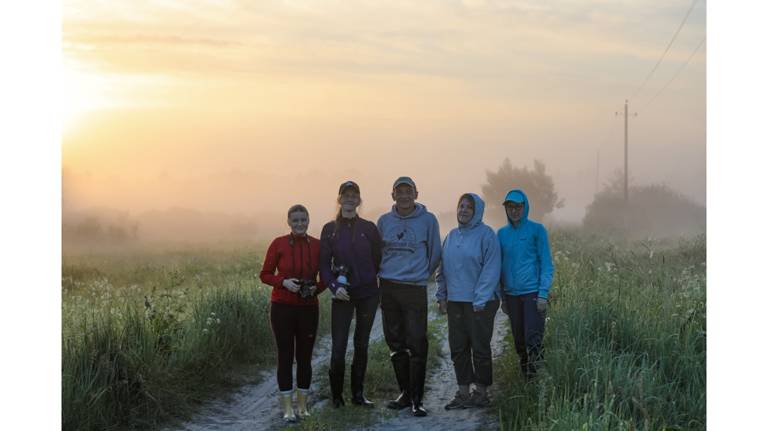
(653, 210)
(536, 183)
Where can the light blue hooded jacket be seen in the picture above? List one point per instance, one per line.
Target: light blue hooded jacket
(411, 250)
(471, 264)
(526, 265)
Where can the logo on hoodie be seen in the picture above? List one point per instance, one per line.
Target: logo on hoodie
(406, 242)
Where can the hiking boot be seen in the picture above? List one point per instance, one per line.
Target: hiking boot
(460, 401)
(476, 399)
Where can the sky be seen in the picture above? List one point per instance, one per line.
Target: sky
(250, 106)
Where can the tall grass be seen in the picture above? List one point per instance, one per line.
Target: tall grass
(147, 337)
(625, 341)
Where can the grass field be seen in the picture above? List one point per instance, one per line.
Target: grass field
(625, 341)
(148, 335)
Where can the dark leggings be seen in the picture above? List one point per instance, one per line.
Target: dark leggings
(294, 327)
(364, 312)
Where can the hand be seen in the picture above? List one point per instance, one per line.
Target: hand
(291, 284)
(478, 308)
(341, 293)
(442, 306)
(541, 305)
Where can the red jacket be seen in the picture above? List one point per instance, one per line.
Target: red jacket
(293, 257)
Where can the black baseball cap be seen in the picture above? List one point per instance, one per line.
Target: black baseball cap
(349, 184)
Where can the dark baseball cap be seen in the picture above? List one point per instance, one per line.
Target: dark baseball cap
(349, 184)
(404, 180)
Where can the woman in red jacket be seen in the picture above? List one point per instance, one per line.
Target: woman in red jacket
(294, 309)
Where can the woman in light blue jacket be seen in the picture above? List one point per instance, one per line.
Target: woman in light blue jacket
(468, 290)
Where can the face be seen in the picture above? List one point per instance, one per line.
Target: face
(349, 200)
(404, 197)
(299, 222)
(514, 211)
(465, 211)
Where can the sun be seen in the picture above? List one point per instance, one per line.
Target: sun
(82, 91)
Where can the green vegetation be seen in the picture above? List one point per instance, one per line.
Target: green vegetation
(625, 343)
(147, 336)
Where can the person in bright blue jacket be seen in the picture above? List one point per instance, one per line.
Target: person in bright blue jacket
(468, 290)
(526, 276)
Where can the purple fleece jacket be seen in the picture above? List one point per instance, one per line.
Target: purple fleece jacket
(356, 244)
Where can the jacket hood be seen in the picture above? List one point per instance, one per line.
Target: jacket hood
(419, 210)
(515, 195)
(477, 217)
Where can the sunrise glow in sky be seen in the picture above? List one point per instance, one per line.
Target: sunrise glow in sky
(234, 106)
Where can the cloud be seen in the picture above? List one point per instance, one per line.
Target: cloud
(147, 39)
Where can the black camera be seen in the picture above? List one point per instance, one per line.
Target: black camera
(305, 288)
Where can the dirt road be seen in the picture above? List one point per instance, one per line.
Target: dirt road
(441, 387)
(255, 407)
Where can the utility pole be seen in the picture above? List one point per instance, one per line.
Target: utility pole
(626, 149)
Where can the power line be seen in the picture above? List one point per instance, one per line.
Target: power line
(685, 18)
(680, 69)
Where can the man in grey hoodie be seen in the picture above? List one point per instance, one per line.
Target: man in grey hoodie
(410, 254)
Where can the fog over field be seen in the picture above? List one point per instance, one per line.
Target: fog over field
(203, 121)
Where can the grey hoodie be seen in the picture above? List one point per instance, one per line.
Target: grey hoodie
(471, 264)
(411, 250)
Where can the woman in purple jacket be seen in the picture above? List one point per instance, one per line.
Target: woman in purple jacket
(350, 254)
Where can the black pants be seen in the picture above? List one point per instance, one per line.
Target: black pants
(527, 330)
(364, 311)
(404, 318)
(294, 327)
(469, 336)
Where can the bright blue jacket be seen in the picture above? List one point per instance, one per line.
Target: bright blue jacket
(411, 250)
(471, 264)
(526, 264)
